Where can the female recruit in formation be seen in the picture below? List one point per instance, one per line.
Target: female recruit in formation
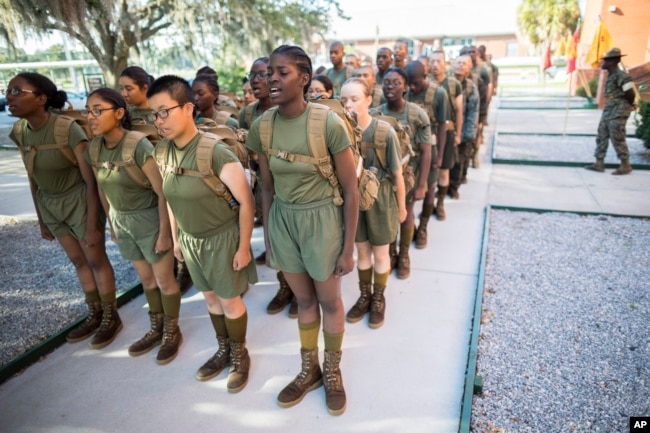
(211, 232)
(132, 197)
(377, 226)
(395, 86)
(307, 235)
(206, 98)
(65, 196)
(134, 83)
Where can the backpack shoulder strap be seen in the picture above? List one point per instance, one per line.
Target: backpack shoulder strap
(93, 151)
(204, 151)
(249, 111)
(412, 114)
(129, 146)
(62, 126)
(316, 133)
(379, 140)
(266, 129)
(222, 117)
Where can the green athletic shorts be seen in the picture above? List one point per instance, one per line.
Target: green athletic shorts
(67, 214)
(209, 260)
(448, 159)
(306, 237)
(380, 223)
(137, 233)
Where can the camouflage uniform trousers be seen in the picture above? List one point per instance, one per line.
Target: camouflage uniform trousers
(464, 153)
(612, 129)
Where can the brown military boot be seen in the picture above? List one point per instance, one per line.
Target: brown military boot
(282, 298)
(109, 328)
(240, 363)
(624, 168)
(171, 341)
(334, 391)
(362, 306)
(598, 166)
(293, 308)
(88, 326)
(404, 263)
(377, 307)
(421, 234)
(216, 363)
(392, 252)
(309, 378)
(152, 338)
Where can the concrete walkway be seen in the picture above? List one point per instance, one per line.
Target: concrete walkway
(407, 376)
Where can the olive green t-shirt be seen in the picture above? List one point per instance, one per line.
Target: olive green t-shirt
(420, 125)
(393, 155)
(139, 115)
(53, 172)
(197, 210)
(299, 182)
(122, 192)
(439, 112)
(339, 77)
(250, 108)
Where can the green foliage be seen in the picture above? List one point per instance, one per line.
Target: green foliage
(230, 78)
(546, 21)
(593, 87)
(112, 30)
(642, 122)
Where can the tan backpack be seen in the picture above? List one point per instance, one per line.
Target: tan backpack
(128, 163)
(204, 171)
(316, 131)
(61, 142)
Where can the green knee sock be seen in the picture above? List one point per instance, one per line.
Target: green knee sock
(171, 304)
(365, 275)
(219, 324)
(309, 334)
(237, 328)
(427, 210)
(108, 298)
(406, 237)
(92, 296)
(333, 342)
(154, 299)
(381, 279)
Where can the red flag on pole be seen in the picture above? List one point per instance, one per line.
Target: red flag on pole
(547, 57)
(572, 52)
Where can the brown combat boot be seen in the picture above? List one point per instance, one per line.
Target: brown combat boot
(152, 338)
(404, 263)
(216, 363)
(421, 234)
(88, 326)
(392, 252)
(441, 215)
(598, 166)
(240, 363)
(334, 391)
(624, 168)
(309, 378)
(282, 298)
(377, 307)
(109, 328)
(171, 341)
(362, 306)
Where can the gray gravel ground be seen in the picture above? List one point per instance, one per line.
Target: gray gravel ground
(564, 342)
(40, 293)
(563, 149)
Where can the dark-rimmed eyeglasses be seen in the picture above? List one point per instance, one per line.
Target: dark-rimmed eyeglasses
(162, 114)
(96, 112)
(261, 75)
